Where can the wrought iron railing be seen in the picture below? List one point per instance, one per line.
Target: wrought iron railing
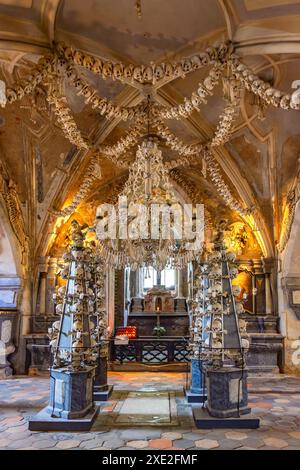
(151, 351)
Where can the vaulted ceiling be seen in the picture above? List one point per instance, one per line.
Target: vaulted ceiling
(261, 160)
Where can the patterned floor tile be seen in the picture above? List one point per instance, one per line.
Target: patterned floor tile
(275, 442)
(207, 444)
(239, 436)
(160, 443)
(183, 443)
(138, 444)
(171, 435)
(67, 444)
(275, 400)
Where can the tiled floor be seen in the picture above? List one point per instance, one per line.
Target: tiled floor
(275, 400)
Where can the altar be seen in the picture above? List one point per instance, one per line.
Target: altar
(159, 308)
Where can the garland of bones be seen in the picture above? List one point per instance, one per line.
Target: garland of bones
(62, 62)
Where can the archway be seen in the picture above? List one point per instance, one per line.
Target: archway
(289, 296)
(9, 296)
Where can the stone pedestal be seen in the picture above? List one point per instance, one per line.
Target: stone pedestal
(266, 344)
(71, 405)
(227, 394)
(8, 328)
(101, 389)
(197, 392)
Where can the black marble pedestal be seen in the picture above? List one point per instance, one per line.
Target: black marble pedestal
(101, 389)
(204, 421)
(43, 421)
(227, 394)
(71, 405)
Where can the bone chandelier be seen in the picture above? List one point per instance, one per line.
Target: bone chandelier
(66, 64)
(148, 187)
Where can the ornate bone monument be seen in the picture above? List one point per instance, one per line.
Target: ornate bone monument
(73, 346)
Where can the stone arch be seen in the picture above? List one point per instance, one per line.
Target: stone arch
(289, 295)
(10, 263)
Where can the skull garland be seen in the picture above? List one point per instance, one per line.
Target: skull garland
(71, 337)
(145, 74)
(100, 331)
(198, 308)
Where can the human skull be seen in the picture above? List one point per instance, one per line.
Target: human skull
(215, 256)
(28, 87)
(59, 309)
(209, 83)
(77, 346)
(77, 326)
(78, 289)
(158, 73)
(148, 74)
(78, 255)
(239, 307)
(217, 307)
(56, 325)
(138, 74)
(79, 272)
(222, 51)
(285, 102)
(88, 62)
(118, 71)
(178, 71)
(168, 70)
(276, 98)
(202, 92)
(107, 70)
(245, 344)
(234, 272)
(70, 73)
(236, 290)
(231, 256)
(90, 292)
(204, 58)
(128, 71)
(97, 66)
(216, 325)
(78, 58)
(196, 62)
(20, 92)
(188, 106)
(68, 53)
(11, 95)
(77, 308)
(187, 65)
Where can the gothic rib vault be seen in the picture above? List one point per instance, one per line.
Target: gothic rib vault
(260, 161)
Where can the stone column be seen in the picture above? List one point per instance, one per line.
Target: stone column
(43, 268)
(26, 306)
(268, 266)
(259, 297)
(179, 283)
(138, 283)
(50, 285)
(110, 299)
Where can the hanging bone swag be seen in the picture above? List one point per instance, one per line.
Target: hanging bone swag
(67, 64)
